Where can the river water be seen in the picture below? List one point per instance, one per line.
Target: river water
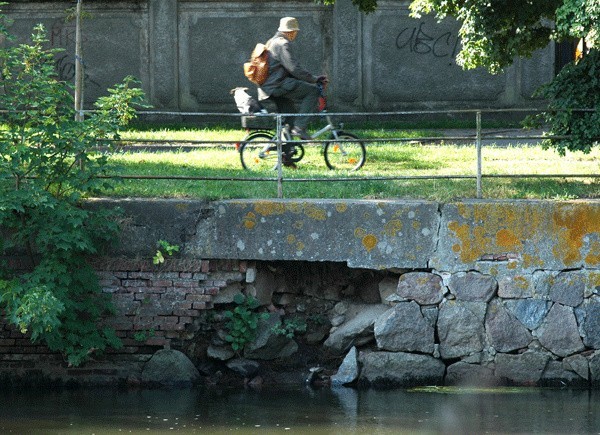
(301, 411)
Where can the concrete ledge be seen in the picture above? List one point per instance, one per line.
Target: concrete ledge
(490, 236)
(367, 234)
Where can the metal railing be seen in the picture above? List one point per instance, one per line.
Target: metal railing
(477, 139)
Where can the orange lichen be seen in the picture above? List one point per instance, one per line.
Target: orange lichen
(249, 221)
(571, 224)
(369, 242)
(341, 207)
(293, 207)
(593, 258)
(506, 239)
(392, 228)
(267, 208)
(314, 212)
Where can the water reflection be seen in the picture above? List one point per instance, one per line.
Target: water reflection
(299, 410)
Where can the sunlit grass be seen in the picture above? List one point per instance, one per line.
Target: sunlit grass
(397, 159)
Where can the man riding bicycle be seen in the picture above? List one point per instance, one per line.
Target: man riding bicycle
(289, 81)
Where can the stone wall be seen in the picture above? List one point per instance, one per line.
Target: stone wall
(392, 293)
(377, 62)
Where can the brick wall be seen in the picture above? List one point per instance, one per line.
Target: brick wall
(156, 307)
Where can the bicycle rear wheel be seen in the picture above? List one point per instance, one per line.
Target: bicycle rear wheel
(259, 152)
(347, 152)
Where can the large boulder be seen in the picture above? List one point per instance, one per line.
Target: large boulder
(399, 369)
(170, 368)
(355, 331)
(464, 374)
(460, 328)
(423, 287)
(559, 332)
(473, 286)
(505, 331)
(526, 368)
(348, 371)
(404, 329)
(568, 288)
(269, 345)
(590, 320)
(530, 312)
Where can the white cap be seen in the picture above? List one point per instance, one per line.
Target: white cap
(288, 24)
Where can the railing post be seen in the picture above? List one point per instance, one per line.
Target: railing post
(279, 157)
(478, 147)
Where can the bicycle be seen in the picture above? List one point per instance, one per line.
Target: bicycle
(258, 150)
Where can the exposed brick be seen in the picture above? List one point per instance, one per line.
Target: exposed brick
(198, 298)
(182, 305)
(185, 275)
(135, 283)
(157, 341)
(189, 313)
(200, 276)
(146, 297)
(141, 275)
(167, 319)
(162, 283)
(211, 291)
(173, 326)
(185, 283)
(205, 266)
(200, 306)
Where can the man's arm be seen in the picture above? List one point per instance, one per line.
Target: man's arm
(291, 64)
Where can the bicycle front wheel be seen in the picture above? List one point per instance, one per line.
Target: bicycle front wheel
(259, 152)
(347, 152)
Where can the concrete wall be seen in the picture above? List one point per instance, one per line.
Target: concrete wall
(188, 54)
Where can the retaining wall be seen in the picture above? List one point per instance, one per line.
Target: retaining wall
(474, 291)
(189, 54)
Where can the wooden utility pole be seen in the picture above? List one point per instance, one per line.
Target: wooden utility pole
(78, 65)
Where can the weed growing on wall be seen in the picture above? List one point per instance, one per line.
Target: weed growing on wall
(290, 327)
(242, 321)
(47, 167)
(164, 248)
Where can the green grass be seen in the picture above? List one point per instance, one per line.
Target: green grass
(384, 159)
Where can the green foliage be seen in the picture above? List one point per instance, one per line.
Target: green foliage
(494, 32)
(168, 249)
(290, 327)
(366, 6)
(142, 336)
(576, 87)
(579, 19)
(47, 167)
(243, 321)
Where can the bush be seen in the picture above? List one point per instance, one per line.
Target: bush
(576, 87)
(48, 165)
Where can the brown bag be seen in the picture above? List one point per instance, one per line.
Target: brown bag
(257, 69)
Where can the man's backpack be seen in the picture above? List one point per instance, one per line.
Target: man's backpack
(257, 69)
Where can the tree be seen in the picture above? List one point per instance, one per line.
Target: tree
(494, 32)
(49, 163)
